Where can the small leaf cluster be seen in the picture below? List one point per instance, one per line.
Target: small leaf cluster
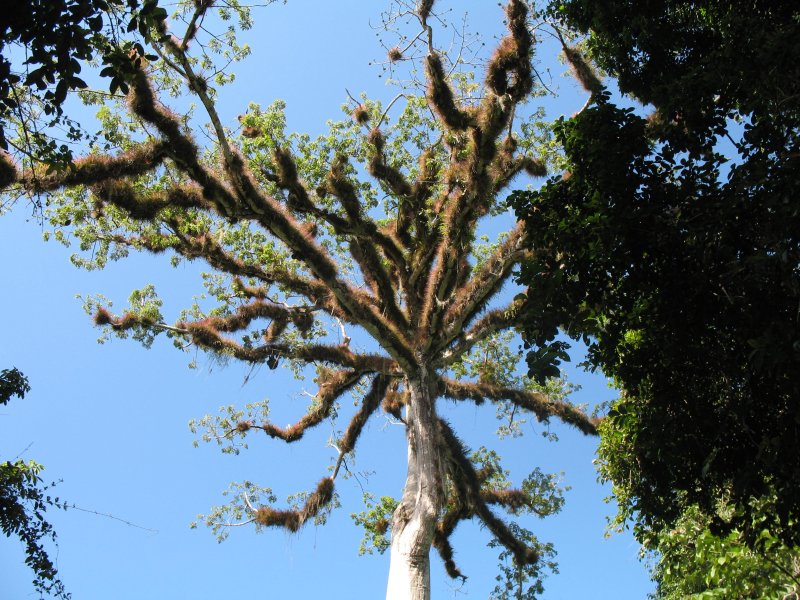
(376, 520)
(238, 510)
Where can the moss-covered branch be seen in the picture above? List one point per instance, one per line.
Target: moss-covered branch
(493, 321)
(332, 385)
(473, 296)
(204, 334)
(539, 404)
(292, 520)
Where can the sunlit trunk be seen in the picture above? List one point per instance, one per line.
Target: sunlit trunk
(415, 518)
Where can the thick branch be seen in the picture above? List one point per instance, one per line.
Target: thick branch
(294, 519)
(512, 500)
(271, 215)
(509, 81)
(536, 402)
(302, 317)
(506, 167)
(442, 99)
(180, 147)
(204, 246)
(97, 168)
(441, 539)
(492, 322)
(281, 224)
(205, 336)
(146, 206)
(356, 224)
(369, 405)
(470, 299)
(477, 506)
(509, 71)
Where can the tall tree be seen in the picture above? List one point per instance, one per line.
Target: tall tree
(297, 242)
(672, 245)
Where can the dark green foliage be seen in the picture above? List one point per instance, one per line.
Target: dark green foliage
(672, 247)
(695, 61)
(12, 383)
(43, 44)
(23, 501)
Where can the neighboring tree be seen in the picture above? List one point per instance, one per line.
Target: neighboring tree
(693, 562)
(44, 46)
(300, 239)
(24, 500)
(672, 246)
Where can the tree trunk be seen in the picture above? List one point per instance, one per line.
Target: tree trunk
(414, 519)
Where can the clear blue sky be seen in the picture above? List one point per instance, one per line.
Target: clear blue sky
(111, 420)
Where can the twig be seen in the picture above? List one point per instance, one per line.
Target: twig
(385, 112)
(108, 516)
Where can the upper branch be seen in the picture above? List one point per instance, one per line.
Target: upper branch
(492, 322)
(356, 224)
(475, 174)
(470, 299)
(253, 203)
(179, 146)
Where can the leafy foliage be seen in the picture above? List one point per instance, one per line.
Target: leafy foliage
(693, 562)
(24, 500)
(526, 582)
(13, 383)
(375, 519)
(45, 45)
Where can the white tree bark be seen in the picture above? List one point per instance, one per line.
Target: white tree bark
(414, 519)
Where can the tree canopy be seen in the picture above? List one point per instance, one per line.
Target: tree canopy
(671, 246)
(354, 259)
